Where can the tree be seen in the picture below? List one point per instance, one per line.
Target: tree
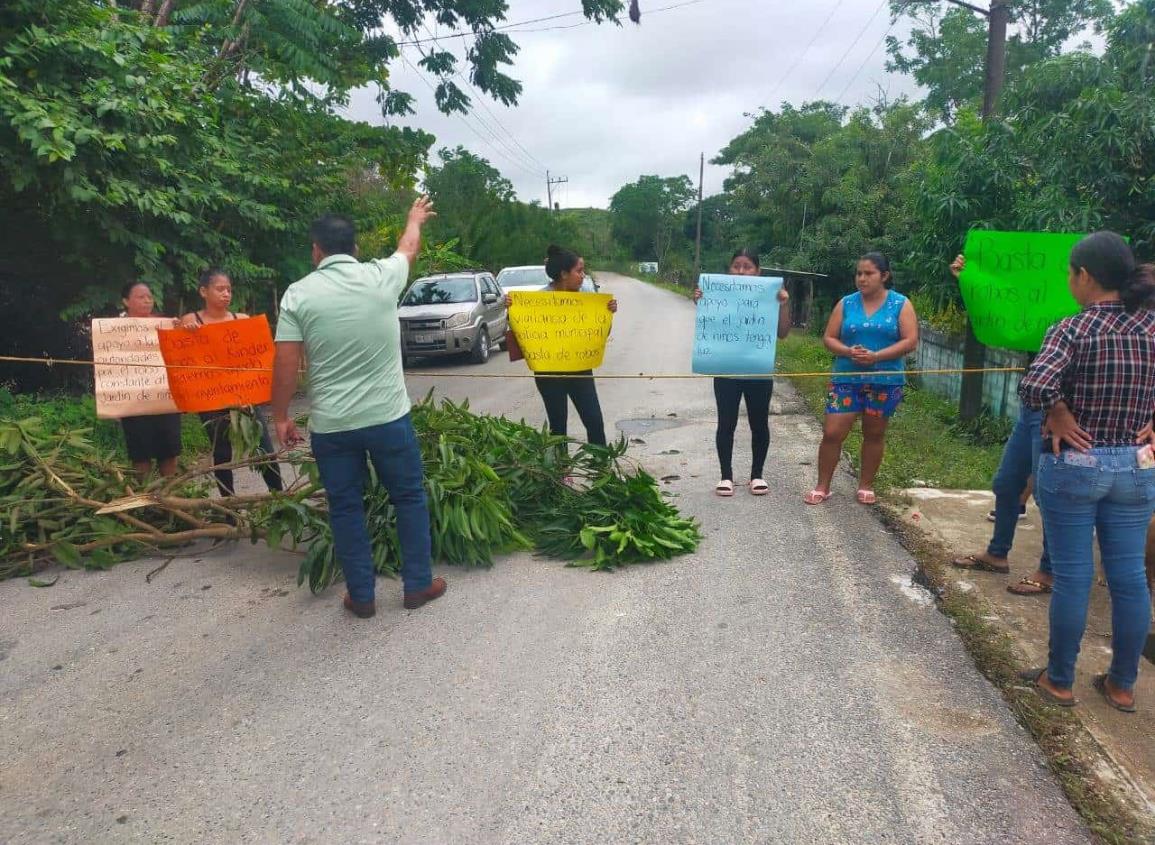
(1073, 152)
(324, 48)
(149, 138)
(647, 214)
(477, 209)
(948, 44)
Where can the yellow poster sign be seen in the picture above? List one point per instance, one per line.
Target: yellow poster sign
(561, 332)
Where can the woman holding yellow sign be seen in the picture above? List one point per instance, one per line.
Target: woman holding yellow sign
(566, 271)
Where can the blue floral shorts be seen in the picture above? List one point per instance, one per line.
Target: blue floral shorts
(874, 400)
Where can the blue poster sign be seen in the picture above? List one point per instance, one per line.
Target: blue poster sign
(737, 328)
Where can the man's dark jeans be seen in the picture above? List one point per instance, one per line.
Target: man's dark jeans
(1020, 460)
(396, 456)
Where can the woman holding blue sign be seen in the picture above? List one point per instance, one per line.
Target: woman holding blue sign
(870, 332)
(728, 393)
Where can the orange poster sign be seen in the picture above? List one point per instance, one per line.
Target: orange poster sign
(247, 344)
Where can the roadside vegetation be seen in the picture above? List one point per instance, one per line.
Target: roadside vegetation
(924, 446)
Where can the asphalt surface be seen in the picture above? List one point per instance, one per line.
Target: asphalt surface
(785, 684)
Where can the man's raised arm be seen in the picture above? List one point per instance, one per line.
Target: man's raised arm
(410, 243)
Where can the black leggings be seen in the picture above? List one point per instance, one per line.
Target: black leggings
(555, 393)
(216, 425)
(728, 393)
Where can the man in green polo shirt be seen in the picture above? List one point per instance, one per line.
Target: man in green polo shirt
(342, 318)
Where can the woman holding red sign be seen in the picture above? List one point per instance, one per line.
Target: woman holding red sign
(216, 289)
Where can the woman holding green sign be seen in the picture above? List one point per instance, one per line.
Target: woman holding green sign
(869, 332)
(1095, 380)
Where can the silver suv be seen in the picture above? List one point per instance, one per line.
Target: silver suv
(453, 314)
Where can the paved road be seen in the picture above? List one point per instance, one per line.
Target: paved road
(786, 684)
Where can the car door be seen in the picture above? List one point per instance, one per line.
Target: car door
(495, 314)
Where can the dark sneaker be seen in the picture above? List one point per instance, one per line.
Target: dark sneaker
(361, 609)
(434, 591)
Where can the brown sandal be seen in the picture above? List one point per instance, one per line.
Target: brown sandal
(1034, 588)
(1099, 682)
(978, 563)
(1032, 677)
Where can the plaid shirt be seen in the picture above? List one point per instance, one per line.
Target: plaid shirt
(1101, 362)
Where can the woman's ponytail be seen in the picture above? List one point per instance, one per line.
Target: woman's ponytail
(1139, 292)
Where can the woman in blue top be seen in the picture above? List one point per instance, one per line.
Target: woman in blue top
(870, 332)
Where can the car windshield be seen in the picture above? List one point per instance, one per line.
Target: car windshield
(441, 292)
(526, 277)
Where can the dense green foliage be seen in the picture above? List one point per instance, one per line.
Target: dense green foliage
(60, 412)
(947, 46)
(925, 443)
(149, 139)
(478, 211)
(1071, 149)
(493, 486)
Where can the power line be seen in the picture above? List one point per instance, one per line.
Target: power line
(805, 50)
(512, 26)
(480, 98)
(850, 50)
(470, 126)
(869, 56)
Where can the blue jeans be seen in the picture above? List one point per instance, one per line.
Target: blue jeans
(396, 457)
(1019, 462)
(1114, 500)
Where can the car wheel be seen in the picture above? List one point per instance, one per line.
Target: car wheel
(480, 352)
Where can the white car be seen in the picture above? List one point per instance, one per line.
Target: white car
(533, 278)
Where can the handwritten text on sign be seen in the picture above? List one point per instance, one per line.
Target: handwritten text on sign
(244, 343)
(123, 390)
(737, 327)
(561, 332)
(1015, 286)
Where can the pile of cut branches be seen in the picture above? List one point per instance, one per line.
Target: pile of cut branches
(494, 486)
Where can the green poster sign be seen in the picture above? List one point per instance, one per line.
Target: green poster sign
(1015, 286)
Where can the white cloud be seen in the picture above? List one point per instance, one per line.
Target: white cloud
(604, 104)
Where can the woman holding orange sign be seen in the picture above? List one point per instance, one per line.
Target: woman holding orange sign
(216, 289)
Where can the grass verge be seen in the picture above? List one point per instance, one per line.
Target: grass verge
(61, 411)
(921, 445)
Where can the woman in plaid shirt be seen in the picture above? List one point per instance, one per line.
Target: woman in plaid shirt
(1095, 379)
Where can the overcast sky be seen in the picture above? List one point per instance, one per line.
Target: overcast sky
(603, 104)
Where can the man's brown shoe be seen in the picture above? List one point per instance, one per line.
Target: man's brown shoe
(361, 609)
(434, 591)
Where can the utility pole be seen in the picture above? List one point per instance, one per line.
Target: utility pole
(974, 353)
(698, 237)
(549, 183)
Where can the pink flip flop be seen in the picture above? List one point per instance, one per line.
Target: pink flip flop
(758, 487)
(725, 489)
(866, 497)
(816, 497)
